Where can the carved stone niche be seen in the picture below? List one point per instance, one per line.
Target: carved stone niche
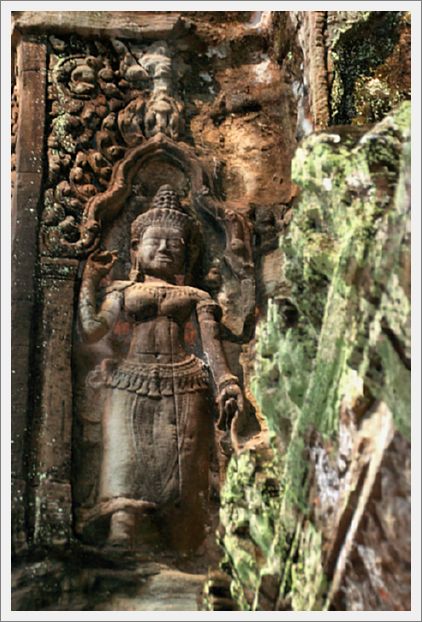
(153, 349)
(112, 121)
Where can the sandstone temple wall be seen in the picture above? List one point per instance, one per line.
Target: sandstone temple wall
(286, 137)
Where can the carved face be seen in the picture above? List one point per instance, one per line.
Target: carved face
(161, 252)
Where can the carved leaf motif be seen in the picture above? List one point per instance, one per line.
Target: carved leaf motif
(78, 75)
(130, 70)
(131, 121)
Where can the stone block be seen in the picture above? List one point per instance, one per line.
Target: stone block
(124, 24)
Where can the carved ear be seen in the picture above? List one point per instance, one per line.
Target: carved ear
(134, 244)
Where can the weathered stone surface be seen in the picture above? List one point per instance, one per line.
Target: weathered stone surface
(368, 64)
(14, 114)
(376, 574)
(356, 64)
(168, 590)
(312, 36)
(52, 425)
(85, 579)
(127, 24)
(27, 180)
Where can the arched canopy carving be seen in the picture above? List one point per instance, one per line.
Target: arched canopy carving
(104, 207)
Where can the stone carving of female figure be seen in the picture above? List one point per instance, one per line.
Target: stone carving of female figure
(157, 425)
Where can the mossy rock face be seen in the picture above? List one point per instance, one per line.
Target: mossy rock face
(347, 343)
(250, 507)
(359, 196)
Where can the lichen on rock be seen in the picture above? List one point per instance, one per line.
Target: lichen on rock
(321, 376)
(366, 56)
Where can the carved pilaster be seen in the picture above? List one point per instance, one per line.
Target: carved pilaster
(312, 37)
(53, 427)
(28, 130)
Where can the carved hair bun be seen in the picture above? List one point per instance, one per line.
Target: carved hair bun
(166, 197)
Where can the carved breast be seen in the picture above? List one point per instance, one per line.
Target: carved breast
(144, 302)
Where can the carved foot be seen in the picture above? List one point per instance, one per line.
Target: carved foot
(122, 526)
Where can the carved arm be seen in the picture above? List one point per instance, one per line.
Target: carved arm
(95, 324)
(229, 393)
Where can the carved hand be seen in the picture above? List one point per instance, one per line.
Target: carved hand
(100, 263)
(230, 403)
(202, 193)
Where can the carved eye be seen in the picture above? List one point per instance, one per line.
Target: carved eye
(151, 241)
(176, 244)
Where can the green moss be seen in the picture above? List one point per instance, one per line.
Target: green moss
(308, 582)
(345, 259)
(250, 506)
(60, 126)
(277, 384)
(244, 562)
(396, 386)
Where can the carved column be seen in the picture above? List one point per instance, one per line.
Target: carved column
(31, 85)
(53, 428)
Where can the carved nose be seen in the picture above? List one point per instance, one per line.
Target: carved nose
(163, 245)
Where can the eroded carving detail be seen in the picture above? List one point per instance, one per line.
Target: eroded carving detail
(164, 112)
(269, 221)
(231, 278)
(314, 26)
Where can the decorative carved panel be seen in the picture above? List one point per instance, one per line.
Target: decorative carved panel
(118, 143)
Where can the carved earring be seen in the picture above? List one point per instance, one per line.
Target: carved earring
(135, 273)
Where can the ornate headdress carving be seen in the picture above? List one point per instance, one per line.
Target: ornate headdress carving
(166, 211)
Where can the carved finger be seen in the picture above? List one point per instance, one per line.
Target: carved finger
(222, 416)
(230, 406)
(240, 402)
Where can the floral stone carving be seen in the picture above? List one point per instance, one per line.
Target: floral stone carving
(106, 97)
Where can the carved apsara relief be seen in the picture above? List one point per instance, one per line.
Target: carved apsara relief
(157, 419)
(109, 99)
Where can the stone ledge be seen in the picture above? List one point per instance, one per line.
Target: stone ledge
(122, 24)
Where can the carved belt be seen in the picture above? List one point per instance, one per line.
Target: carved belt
(152, 379)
